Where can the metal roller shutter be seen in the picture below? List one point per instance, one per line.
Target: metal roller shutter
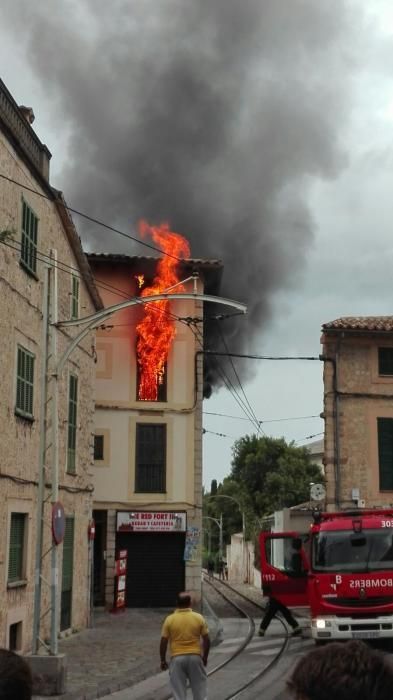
(155, 568)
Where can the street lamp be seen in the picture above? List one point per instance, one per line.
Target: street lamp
(219, 525)
(231, 498)
(50, 327)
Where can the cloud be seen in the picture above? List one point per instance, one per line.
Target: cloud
(215, 115)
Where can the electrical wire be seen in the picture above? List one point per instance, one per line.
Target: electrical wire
(252, 412)
(271, 420)
(223, 375)
(68, 269)
(309, 437)
(92, 219)
(211, 432)
(262, 357)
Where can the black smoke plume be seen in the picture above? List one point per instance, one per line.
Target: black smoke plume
(214, 115)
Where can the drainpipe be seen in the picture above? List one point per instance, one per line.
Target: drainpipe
(336, 429)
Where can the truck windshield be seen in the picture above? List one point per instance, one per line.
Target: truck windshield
(345, 550)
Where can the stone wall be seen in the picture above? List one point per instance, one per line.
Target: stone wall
(351, 409)
(21, 322)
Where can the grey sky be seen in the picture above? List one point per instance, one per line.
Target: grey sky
(282, 148)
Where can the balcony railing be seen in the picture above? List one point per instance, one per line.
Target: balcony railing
(21, 130)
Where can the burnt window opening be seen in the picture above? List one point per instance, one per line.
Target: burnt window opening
(161, 385)
(150, 458)
(385, 361)
(98, 447)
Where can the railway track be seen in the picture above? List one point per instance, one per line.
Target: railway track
(235, 664)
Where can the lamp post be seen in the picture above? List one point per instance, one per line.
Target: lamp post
(219, 525)
(52, 325)
(231, 498)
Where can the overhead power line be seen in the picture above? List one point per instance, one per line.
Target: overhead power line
(260, 357)
(252, 413)
(270, 420)
(92, 219)
(310, 437)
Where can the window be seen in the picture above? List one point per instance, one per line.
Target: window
(28, 255)
(98, 447)
(150, 469)
(17, 546)
(72, 417)
(15, 636)
(385, 453)
(385, 361)
(151, 387)
(74, 297)
(24, 383)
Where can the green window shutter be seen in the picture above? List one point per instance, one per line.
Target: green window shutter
(72, 423)
(17, 539)
(29, 238)
(385, 361)
(24, 383)
(75, 297)
(385, 453)
(68, 556)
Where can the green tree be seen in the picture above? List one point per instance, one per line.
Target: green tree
(275, 474)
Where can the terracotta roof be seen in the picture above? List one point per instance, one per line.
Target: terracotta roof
(211, 270)
(361, 323)
(120, 257)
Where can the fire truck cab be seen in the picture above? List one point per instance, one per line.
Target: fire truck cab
(342, 570)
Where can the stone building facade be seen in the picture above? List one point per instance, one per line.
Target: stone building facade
(358, 410)
(148, 454)
(38, 242)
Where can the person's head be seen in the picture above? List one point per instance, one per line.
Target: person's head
(344, 671)
(183, 601)
(297, 543)
(16, 681)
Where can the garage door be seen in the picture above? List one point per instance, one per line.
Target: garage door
(155, 568)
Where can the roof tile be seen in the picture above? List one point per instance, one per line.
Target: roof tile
(361, 323)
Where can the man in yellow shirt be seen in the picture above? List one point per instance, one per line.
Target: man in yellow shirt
(185, 630)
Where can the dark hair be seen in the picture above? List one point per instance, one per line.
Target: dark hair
(349, 671)
(16, 681)
(183, 601)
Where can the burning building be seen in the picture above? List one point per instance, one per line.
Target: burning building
(148, 427)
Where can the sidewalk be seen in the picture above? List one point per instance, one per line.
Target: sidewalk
(121, 650)
(118, 652)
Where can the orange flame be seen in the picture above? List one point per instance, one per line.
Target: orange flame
(156, 331)
(140, 279)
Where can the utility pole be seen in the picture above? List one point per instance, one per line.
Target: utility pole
(221, 538)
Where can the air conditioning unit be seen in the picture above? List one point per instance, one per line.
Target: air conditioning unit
(361, 503)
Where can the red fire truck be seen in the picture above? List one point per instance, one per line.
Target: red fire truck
(345, 576)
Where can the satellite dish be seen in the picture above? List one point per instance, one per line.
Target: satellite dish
(317, 492)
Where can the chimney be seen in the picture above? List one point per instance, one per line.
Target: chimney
(27, 113)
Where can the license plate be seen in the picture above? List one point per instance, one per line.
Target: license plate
(365, 635)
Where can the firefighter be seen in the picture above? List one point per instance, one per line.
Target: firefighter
(297, 567)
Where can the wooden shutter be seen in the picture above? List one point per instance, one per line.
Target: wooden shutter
(385, 361)
(29, 238)
(24, 382)
(75, 297)
(72, 423)
(17, 539)
(385, 453)
(68, 556)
